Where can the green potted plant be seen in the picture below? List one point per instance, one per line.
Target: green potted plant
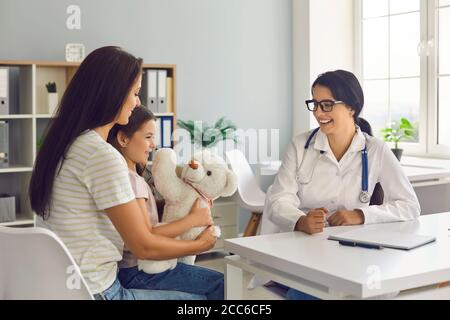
(398, 131)
(207, 136)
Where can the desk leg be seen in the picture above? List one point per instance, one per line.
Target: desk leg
(233, 283)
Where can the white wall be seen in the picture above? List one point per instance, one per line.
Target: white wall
(233, 57)
(301, 64)
(331, 26)
(323, 40)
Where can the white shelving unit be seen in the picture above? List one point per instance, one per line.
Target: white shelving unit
(14, 180)
(29, 118)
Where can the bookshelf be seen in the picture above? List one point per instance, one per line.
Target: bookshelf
(28, 118)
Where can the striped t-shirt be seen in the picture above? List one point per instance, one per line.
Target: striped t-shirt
(93, 177)
(141, 191)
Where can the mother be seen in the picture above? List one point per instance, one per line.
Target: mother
(80, 185)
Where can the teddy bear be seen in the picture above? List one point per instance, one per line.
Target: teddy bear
(206, 176)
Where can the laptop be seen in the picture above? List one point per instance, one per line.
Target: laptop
(383, 239)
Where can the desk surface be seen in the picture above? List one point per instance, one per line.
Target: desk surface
(357, 271)
(416, 169)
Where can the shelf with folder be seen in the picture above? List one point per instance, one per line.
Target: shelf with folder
(16, 142)
(16, 90)
(28, 116)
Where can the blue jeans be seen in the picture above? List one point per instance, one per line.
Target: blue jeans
(183, 278)
(117, 292)
(293, 294)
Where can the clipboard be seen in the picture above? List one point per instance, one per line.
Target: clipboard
(378, 239)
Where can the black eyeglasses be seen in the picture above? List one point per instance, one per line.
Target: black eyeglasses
(326, 105)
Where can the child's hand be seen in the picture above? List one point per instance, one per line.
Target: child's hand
(200, 215)
(207, 238)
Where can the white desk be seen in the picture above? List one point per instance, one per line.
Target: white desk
(421, 171)
(327, 270)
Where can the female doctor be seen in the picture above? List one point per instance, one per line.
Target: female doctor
(329, 175)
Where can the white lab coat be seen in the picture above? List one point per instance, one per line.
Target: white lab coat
(334, 185)
(322, 181)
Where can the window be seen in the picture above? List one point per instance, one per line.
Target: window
(391, 69)
(404, 71)
(443, 72)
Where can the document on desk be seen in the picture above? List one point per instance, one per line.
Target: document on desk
(384, 239)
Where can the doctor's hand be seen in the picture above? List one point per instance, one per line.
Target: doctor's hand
(313, 222)
(346, 218)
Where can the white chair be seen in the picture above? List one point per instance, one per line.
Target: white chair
(35, 264)
(267, 226)
(251, 197)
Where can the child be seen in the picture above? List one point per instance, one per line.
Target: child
(135, 141)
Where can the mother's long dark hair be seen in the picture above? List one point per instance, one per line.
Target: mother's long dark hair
(92, 99)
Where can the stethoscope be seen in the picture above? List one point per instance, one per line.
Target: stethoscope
(364, 196)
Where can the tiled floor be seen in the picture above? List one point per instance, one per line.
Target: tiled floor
(215, 261)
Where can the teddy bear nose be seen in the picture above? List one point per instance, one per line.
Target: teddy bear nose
(193, 165)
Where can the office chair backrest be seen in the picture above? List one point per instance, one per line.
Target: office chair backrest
(35, 264)
(248, 188)
(267, 226)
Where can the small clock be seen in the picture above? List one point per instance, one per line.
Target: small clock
(75, 52)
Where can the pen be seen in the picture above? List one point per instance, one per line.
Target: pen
(362, 245)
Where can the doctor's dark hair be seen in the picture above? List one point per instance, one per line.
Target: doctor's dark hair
(344, 86)
(139, 116)
(93, 98)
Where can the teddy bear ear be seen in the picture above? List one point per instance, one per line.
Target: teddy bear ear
(231, 184)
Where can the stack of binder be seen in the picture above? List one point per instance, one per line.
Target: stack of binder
(164, 129)
(157, 90)
(4, 90)
(157, 94)
(163, 134)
